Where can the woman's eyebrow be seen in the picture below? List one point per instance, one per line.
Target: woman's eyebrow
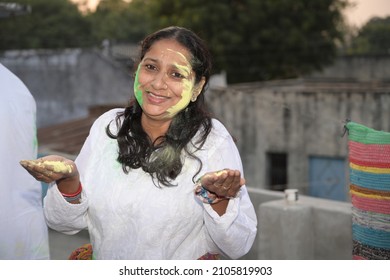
(151, 59)
(183, 68)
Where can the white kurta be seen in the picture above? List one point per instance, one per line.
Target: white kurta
(128, 217)
(23, 231)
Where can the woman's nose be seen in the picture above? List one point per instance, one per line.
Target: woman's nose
(159, 81)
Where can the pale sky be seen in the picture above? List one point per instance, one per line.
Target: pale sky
(366, 9)
(357, 16)
(91, 3)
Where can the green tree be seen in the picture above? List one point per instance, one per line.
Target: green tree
(259, 40)
(117, 20)
(51, 24)
(108, 20)
(372, 38)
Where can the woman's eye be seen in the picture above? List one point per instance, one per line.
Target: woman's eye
(178, 75)
(150, 67)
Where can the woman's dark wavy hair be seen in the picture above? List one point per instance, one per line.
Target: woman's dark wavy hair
(163, 160)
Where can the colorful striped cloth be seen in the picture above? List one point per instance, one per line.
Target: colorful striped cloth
(369, 162)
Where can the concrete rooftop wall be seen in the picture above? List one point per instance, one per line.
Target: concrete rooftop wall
(300, 118)
(309, 229)
(66, 83)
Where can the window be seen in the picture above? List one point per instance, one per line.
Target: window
(277, 171)
(327, 177)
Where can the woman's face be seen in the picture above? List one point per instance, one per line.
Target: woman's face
(165, 82)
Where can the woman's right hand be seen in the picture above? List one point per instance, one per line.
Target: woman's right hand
(54, 168)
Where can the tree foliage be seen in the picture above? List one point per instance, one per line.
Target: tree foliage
(373, 38)
(51, 24)
(116, 20)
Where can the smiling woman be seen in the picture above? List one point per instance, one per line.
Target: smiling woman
(148, 182)
(164, 83)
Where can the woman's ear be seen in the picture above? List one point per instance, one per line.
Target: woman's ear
(198, 89)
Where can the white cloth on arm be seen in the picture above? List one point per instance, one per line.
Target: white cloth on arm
(128, 217)
(23, 233)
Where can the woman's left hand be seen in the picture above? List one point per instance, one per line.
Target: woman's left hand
(226, 182)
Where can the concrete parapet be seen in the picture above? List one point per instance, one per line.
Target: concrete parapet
(285, 231)
(309, 229)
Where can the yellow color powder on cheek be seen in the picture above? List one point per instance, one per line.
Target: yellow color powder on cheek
(185, 99)
(188, 85)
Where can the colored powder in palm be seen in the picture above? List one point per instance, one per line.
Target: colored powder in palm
(221, 172)
(59, 166)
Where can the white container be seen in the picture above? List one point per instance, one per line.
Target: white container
(291, 195)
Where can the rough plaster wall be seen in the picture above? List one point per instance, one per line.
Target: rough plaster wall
(301, 119)
(66, 83)
(359, 68)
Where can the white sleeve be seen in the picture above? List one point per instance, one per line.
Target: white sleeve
(24, 233)
(63, 216)
(234, 232)
(71, 218)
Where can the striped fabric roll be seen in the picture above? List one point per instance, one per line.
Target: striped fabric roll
(369, 162)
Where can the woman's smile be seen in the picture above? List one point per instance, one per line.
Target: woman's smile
(156, 98)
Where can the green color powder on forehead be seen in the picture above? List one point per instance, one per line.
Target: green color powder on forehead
(137, 88)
